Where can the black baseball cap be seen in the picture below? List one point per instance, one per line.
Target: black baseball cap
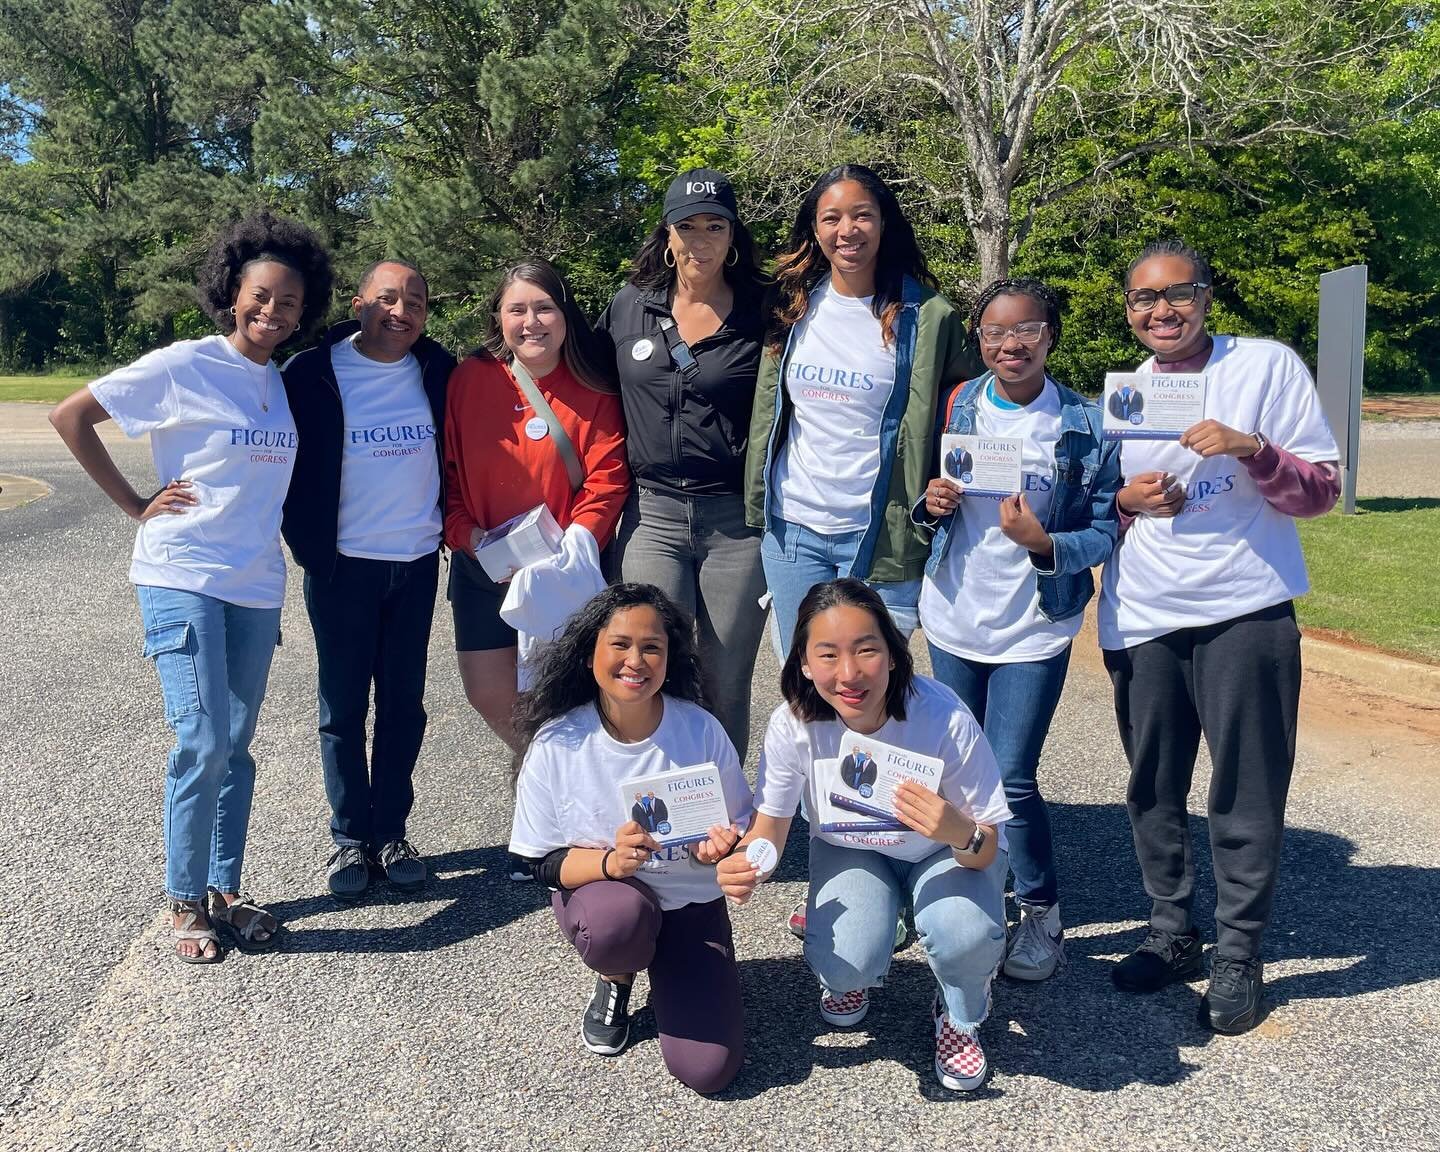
(700, 190)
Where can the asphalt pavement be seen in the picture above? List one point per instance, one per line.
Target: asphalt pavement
(450, 1020)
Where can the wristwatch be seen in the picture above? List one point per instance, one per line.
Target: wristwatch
(1260, 440)
(977, 841)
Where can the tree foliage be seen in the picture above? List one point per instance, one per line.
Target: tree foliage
(1051, 136)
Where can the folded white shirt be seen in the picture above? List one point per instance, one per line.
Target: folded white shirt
(541, 597)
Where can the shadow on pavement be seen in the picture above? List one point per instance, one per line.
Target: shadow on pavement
(479, 897)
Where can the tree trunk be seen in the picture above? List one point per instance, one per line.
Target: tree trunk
(991, 232)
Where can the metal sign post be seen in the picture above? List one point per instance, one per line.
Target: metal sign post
(1341, 372)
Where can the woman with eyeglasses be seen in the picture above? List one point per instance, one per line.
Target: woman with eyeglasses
(1009, 575)
(1198, 626)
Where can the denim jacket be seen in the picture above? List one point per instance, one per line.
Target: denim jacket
(1082, 521)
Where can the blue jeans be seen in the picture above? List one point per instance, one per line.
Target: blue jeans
(856, 896)
(372, 625)
(698, 550)
(213, 659)
(1014, 704)
(796, 559)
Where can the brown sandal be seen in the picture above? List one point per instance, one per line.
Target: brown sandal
(186, 930)
(243, 921)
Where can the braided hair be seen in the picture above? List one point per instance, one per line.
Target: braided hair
(1020, 286)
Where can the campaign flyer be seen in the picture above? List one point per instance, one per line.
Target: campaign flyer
(1152, 406)
(678, 807)
(856, 790)
(982, 465)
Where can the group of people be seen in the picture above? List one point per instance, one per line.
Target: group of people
(726, 439)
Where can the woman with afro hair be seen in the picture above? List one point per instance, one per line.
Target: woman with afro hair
(207, 566)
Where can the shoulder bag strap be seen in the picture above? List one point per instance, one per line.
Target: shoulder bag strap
(563, 443)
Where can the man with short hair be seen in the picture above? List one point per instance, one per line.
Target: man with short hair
(363, 519)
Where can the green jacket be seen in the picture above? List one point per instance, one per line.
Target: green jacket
(931, 353)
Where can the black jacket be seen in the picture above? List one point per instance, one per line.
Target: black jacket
(684, 437)
(312, 508)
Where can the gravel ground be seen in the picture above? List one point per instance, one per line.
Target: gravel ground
(450, 1020)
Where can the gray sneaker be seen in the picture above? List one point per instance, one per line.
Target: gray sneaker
(1038, 947)
(402, 865)
(349, 873)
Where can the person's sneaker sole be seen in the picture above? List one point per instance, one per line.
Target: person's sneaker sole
(601, 1049)
(960, 1084)
(349, 884)
(410, 879)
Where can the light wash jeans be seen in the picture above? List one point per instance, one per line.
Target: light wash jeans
(856, 895)
(1014, 704)
(213, 659)
(699, 552)
(797, 558)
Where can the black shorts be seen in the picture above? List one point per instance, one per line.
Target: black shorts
(475, 602)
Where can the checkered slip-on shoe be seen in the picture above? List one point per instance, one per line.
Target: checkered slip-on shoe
(844, 1011)
(960, 1063)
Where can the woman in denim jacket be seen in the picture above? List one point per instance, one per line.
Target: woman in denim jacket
(1009, 571)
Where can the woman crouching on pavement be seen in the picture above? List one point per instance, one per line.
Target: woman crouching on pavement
(618, 697)
(849, 685)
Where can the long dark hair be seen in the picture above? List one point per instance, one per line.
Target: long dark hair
(564, 679)
(801, 694)
(803, 265)
(650, 271)
(578, 351)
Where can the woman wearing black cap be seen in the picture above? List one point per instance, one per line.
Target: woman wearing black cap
(686, 334)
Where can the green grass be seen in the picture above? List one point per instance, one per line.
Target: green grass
(1372, 575)
(40, 389)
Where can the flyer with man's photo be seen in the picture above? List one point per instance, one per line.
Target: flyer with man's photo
(982, 465)
(1152, 405)
(678, 807)
(855, 791)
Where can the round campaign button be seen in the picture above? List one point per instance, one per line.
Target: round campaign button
(663, 828)
(966, 477)
(1136, 418)
(536, 428)
(642, 350)
(762, 856)
(866, 791)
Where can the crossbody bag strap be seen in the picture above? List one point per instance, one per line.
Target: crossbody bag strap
(563, 444)
(680, 354)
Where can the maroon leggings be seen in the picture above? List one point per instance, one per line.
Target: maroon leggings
(617, 926)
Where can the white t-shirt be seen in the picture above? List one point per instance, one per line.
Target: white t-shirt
(568, 796)
(389, 474)
(205, 407)
(937, 724)
(1229, 552)
(839, 375)
(983, 602)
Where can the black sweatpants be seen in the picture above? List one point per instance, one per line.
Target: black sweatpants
(1238, 684)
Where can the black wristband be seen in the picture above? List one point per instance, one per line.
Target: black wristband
(605, 872)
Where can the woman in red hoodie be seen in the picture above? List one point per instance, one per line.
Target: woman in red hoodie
(501, 459)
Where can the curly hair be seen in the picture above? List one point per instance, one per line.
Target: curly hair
(1037, 290)
(649, 269)
(1173, 246)
(803, 265)
(565, 680)
(265, 236)
(799, 690)
(579, 350)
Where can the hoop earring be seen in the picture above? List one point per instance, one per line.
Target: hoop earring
(732, 258)
(668, 257)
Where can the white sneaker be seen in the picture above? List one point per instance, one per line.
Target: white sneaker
(1038, 946)
(846, 1010)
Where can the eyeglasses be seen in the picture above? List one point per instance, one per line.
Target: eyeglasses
(993, 335)
(1145, 299)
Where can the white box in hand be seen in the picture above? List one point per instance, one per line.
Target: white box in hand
(524, 539)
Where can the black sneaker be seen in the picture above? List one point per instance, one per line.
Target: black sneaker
(1231, 1004)
(606, 1026)
(518, 868)
(402, 865)
(349, 873)
(1163, 959)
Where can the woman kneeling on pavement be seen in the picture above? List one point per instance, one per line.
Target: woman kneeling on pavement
(619, 697)
(207, 565)
(1198, 626)
(850, 674)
